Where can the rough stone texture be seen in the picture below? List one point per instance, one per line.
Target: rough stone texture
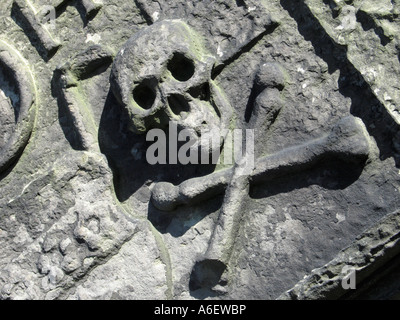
(371, 250)
(84, 216)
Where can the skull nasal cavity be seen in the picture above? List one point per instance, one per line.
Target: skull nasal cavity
(144, 95)
(178, 104)
(181, 68)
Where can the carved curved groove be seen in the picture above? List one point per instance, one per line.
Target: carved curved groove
(17, 72)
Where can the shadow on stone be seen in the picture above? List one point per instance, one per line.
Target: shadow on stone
(205, 276)
(331, 175)
(182, 219)
(365, 105)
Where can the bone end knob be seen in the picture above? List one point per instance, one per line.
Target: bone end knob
(165, 196)
(271, 75)
(350, 139)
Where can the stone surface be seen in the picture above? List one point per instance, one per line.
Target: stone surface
(371, 250)
(83, 215)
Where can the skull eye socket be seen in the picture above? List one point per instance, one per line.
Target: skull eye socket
(145, 95)
(181, 67)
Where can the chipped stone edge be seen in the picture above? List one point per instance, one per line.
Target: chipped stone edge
(371, 250)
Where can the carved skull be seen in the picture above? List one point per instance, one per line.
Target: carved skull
(164, 74)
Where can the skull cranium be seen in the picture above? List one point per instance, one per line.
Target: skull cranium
(164, 74)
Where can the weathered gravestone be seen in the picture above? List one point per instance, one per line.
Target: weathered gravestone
(84, 214)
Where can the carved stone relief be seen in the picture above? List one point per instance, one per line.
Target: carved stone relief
(85, 215)
(18, 99)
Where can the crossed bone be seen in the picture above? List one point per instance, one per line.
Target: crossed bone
(347, 141)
